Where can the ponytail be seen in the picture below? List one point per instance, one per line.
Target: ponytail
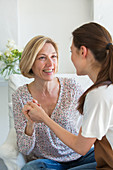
(105, 77)
(96, 38)
(111, 63)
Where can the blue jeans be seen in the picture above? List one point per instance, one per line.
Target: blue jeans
(84, 162)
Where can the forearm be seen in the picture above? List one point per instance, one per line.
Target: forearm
(25, 143)
(78, 143)
(65, 136)
(29, 129)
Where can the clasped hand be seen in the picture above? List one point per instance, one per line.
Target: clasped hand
(34, 112)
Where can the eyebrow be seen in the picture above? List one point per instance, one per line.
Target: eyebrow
(45, 54)
(54, 53)
(51, 53)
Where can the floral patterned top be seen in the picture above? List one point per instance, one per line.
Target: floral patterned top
(44, 143)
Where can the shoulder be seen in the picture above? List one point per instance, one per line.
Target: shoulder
(20, 91)
(98, 112)
(71, 87)
(70, 83)
(100, 96)
(101, 92)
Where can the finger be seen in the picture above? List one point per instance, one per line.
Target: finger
(32, 104)
(28, 114)
(28, 117)
(26, 108)
(35, 101)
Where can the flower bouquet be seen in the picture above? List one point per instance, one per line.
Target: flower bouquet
(9, 60)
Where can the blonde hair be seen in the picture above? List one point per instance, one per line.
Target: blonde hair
(30, 53)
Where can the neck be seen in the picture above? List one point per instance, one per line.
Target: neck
(92, 66)
(93, 75)
(44, 87)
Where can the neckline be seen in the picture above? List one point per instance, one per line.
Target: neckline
(59, 98)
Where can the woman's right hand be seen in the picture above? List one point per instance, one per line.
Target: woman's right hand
(30, 123)
(25, 111)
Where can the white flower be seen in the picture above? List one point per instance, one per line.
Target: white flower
(11, 45)
(7, 52)
(9, 60)
(2, 64)
(1, 53)
(20, 50)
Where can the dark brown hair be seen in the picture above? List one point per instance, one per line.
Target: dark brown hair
(96, 38)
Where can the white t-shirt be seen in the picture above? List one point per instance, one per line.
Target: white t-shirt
(98, 114)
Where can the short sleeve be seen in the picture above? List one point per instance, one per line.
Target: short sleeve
(96, 117)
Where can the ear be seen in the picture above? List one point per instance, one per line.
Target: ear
(83, 51)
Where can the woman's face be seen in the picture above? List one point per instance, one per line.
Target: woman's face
(46, 63)
(77, 59)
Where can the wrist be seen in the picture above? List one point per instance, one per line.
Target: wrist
(29, 129)
(46, 119)
(30, 124)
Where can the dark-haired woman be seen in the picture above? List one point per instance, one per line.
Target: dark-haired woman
(92, 55)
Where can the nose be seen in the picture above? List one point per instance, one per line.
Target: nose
(49, 62)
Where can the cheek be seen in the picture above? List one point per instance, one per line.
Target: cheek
(72, 58)
(55, 63)
(36, 66)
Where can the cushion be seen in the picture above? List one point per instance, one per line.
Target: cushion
(9, 153)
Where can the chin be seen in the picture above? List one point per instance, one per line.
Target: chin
(49, 78)
(79, 73)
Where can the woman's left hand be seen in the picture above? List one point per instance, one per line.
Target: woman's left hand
(36, 112)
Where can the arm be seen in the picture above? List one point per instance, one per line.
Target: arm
(25, 138)
(29, 129)
(78, 143)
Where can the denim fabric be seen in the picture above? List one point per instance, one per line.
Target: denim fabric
(2, 165)
(89, 166)
(84, 162)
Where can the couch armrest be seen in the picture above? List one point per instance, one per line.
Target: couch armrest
(10, 154)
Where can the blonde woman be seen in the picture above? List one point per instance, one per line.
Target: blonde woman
(58, 97)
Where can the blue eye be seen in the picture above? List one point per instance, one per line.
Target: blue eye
(41, 58)
(54, 56)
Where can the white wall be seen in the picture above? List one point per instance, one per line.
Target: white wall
(56, 19)
(4, 120)
(20, 20)
(8, 22)
(103, 14)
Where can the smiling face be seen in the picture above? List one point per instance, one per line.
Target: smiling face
(46, 63)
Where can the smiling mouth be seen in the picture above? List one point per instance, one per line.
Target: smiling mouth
(48, 71)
